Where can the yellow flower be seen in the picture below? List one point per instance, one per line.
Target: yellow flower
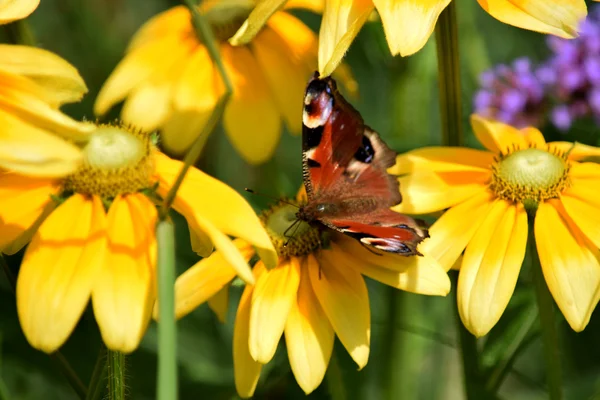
(488, 195)
(93, 236)
(307, 297)
(36, 138)
(12, 10)
(178, 93)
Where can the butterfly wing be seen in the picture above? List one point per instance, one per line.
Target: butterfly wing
(345, 169)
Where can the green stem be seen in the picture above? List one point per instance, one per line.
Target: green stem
(446, 35)
(115, 368)
(57, 357)
(19, 32)
(472, 376)
(206, 36)
(167, 328)
(98, 375)
(547, 320)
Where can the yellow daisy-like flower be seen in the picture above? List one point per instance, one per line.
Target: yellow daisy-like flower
(36, 138)
(408, 24)
(488, 195)
(316, 291)
(179, 92)
(12, 10)
(93, 236)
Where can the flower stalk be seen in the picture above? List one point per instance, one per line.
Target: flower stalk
(167, 327)
(547, 320)
(115, 363)
(446, 35)
(19, 32)
(98, 375)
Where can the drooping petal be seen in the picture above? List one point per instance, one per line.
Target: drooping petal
(442, 159)
(12, 10)
(175, 22)
(556, 17)
(496, 136)
(202, 196)
(256, 21)
(425, 192)
(342, 20)
(148, 106)
(51, 295)
(286, 77)
(491, 266)
(583, 206)
(59, 80)
(272, 299)
(577, 151)
(219, 303)
(251, 120)
(124, 292)
(24, 202)
(450, 234)
(315, 6)
(408, 23)
(419, 274)
(308, 336)
(570, 262)
(534, 137)
(301, 41)
(343, 295)
(181, 129)
(205, 279)
(246, 369)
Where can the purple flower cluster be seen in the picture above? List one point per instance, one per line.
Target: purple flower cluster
(511, 94)
(567, 84)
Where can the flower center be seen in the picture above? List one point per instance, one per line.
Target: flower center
(530, 176)
(290, 236)
(117, 160)
(226, 17)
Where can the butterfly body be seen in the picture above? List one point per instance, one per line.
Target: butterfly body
(345, 175)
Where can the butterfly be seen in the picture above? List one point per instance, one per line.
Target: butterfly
(345, 175)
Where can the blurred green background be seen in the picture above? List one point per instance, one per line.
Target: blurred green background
(414, 344)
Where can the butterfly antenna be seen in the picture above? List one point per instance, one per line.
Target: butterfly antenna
(270, 197)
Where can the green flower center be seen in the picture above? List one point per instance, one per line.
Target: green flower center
(530, 176)
(290, 236)
(117, 160)
(226, 17)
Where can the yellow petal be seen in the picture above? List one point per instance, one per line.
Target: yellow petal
(251, 120)
(181, 129)
(246, 370)
(301, 41)
(125, 290)
(272, 299)
(557, 17)
(175, 21)
(286, 77)
(256, 21)
(138, 67)
(583, 206)
(148, 106)
(496, 136)
(315, 6)
(570, 262)
(584, 172)
(219, 303)
(425, 192)
(491, 266)
(308, 336)
(204, 280)
(343, 295)
(342, 20)
(443, 159)
(450, 234)
(22, 202)
(577, 151)
(534, 137)
(408, 23)
(202, 196)
(51, 296)
(59, 81)
(11, 10)
(418, 274)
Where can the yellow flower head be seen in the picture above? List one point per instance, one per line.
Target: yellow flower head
(12, 10)
(93, 235)
(36, 138)
(489, 195)
(307, 297)
(178, 93)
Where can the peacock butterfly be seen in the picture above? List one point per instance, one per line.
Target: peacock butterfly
(345, 175)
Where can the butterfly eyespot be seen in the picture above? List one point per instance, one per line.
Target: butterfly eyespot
(365, 153)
